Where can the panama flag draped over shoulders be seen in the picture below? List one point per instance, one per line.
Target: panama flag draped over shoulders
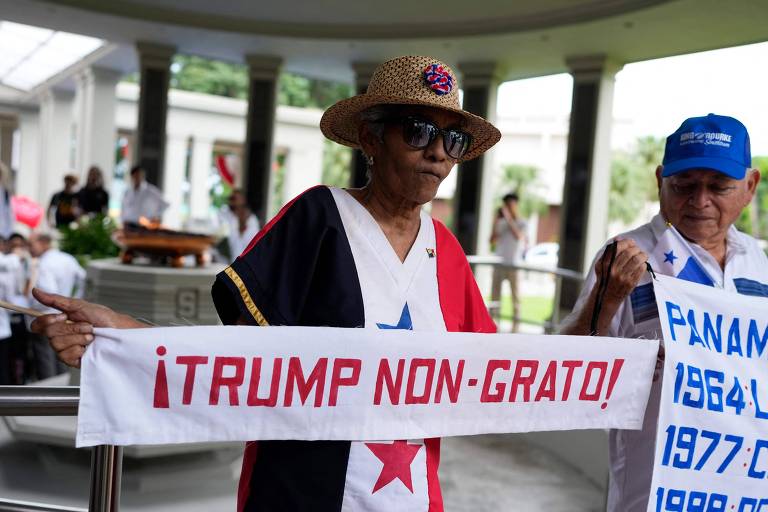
(324, 261)
(672, 256)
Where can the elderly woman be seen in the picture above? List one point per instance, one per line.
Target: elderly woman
(366, 257)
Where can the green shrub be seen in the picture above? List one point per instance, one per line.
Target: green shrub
(90, 238)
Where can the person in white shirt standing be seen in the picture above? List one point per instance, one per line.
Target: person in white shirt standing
(142, 199)
(242, 224)
(705, 182)
(56, 272)
(509, 239)
(9, 267)
(6, 211)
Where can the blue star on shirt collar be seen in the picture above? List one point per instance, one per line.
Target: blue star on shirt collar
(404, 322)
(669, 257)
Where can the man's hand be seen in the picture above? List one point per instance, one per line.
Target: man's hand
(72, 330)
(628, 268)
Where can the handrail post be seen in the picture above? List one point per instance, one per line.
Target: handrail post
(106, 472)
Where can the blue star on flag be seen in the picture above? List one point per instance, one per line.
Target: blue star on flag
(669, 257)
(404, 322)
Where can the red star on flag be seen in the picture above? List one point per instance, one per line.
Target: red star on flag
(397, 458)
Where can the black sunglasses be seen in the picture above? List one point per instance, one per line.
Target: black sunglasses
(420, 133)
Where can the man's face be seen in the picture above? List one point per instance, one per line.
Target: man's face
(17, 243)
(511, 205)
(702, 204)
(236, 200)
(136, 178)
(37, 247)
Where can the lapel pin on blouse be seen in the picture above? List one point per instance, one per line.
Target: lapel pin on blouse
(431, 253)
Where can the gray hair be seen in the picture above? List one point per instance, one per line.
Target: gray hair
(375, 117)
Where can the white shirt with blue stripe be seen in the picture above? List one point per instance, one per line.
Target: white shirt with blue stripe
(746, 272)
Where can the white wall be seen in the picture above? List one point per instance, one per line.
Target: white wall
(205, 119)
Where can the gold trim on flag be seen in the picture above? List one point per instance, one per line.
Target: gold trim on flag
(246, 297)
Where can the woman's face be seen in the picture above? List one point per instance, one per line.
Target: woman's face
(407, 173)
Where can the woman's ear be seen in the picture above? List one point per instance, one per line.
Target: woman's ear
(369, 141)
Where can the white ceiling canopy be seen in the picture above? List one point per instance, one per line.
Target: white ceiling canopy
(30, 55)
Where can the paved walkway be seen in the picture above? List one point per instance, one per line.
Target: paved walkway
(495, 473)
(479, 474)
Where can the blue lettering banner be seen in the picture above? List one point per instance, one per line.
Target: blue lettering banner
(712, 437)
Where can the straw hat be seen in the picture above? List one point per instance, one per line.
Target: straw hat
(408, 80)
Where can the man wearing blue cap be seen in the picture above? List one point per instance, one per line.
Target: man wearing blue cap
(705, 182)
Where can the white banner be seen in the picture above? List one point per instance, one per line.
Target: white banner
(712, 437)
(193, 384)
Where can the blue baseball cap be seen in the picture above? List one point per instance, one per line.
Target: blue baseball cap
(720, 143)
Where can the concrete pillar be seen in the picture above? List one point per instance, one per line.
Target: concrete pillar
(303, 163)
(28, 172)
(363, 73)
(56, 147)
(155, 73)
(96, 102)
(175, 167)
(471, 223)
(200, 169)
(263, 72)
(7, 127)
(584, 214)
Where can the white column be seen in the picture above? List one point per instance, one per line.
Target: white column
(56, 148)
(96, 103)
(175, 163)
(200, 169)
(297, 132)
(28, 173)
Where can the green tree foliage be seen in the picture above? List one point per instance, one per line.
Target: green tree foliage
(524, 181)
(336, 164)
(192, 73)
(633, 179)
(754, 218)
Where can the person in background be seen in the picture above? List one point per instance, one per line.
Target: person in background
(8, 269)
(6, 191)
(92, 198)
(242, 223)
(508, 237)
(64, 207)
(142, 199)
(18, 248)
(56, 272)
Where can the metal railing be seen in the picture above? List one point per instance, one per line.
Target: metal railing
(106, 460)
(558, 273)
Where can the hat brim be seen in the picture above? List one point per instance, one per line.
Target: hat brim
(340, 122)
(725, 166)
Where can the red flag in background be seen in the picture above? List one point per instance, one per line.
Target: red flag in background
(226, 174)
